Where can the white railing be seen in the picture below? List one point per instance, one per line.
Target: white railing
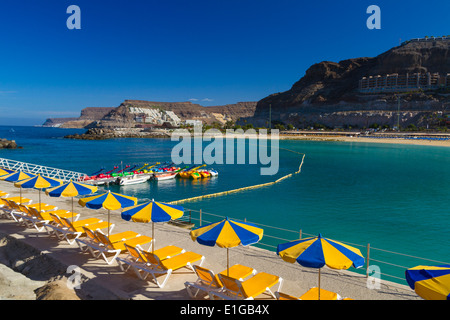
(65, 175)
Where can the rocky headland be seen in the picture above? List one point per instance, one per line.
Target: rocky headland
(130, 114)
(111, 133)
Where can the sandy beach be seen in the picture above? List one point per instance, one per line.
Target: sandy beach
(361, 139)
(394, 138)
(40, 262)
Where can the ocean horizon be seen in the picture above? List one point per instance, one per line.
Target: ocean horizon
(391, 196)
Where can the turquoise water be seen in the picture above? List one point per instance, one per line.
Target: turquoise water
(395, 197)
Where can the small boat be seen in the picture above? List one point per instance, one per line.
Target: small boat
(164, 175)
(213, 173)
(191, 173)
(204, 174)
(134, 179)
(149, 168)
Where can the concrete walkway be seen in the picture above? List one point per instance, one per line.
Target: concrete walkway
(102, 281)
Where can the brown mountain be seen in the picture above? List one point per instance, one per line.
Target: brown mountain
(329, 92)
(125, 114)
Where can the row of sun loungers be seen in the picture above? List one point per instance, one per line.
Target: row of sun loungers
(93, 236)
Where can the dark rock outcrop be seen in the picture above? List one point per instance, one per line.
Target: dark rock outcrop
(8, 144)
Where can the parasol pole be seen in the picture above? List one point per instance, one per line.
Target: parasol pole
(39, 200)
(153, 237)
(319, 283)
(108, 223)
(228, 263)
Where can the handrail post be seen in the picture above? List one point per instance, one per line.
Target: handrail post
(300, 234)
(200, 217)
(368, 260)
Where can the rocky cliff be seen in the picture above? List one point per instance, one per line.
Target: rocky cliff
(329, 93)
(192, 111)
(88, 115)
(121, 116)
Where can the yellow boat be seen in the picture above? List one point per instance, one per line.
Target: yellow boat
(191, 173)
(147, 170)
(205, 174)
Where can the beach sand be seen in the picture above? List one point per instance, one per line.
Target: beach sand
(420, 142)
(42, 259)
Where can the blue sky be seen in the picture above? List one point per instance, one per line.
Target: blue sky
(209, 52)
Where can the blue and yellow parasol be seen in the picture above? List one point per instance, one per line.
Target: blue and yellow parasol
(5, 171)
(17, 176)
(71, 189)
(227, 233)
(109, 201)
(38, 182)
(153, 211)
(317, 252)
(430, 282)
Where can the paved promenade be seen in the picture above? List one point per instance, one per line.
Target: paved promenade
(19, 245)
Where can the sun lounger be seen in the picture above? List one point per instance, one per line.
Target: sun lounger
(5, 209)
(248, 289)
(42, 206)
(8, 208)
(115, 248)
(313, 294)
(285, 296)
(64, 229)
(28, 218)
(45, 215)
(158, 267)
(208, 282)
(21, 214)
(137, 258)
(19, 200)
(12, 210)
(92, 244)
(4, 194)
(39, 220)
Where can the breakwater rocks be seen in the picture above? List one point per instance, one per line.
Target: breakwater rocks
(106, 133)
(8, 144)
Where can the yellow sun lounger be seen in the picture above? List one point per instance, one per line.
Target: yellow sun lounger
(18, 200)
(157, 267)
(42, 206)
(285, 296)
(65, 229)
(39, 220)
(118, 247)
(248, 289)
(313, 294)
(4, 194)
(208, 282)
(5, 208)
(18, 212)
(92, 244)
(15, 211)
(137, 257)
